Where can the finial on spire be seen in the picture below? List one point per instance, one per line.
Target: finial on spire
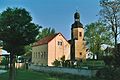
(77, 9)
(77, 16)
(77, 23)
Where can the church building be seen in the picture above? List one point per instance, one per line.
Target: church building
(50, 48)
(78, 44)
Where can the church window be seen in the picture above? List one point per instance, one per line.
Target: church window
(80, 53)
(39, 54)
(60, 43)
(44, 55)
(34, 54)
(80, 34)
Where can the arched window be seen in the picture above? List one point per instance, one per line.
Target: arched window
(80, 53)
(36, 54)
(44, 55)
(39, 54)
(80, 34)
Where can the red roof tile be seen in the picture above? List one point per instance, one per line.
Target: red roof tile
(45, 40)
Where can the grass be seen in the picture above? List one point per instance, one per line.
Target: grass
(27, 75)
(32, 75)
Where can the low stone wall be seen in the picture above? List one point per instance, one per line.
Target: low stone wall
(83, 72)
(2, 67)
(3, 71)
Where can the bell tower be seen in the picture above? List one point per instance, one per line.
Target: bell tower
(78, 48)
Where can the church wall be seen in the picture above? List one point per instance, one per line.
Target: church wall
(80, 48)
(57, 48)
(76, 33)
(40, 55)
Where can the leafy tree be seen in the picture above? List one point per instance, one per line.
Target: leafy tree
(46, 32)
(96, 34)
(16, 31)
(110, 14)
(28, 51)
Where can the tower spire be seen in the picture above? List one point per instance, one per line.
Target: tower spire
(77, 23)
(77, 36)
(77, 16)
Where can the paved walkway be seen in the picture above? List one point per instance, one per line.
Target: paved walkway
(2, 71)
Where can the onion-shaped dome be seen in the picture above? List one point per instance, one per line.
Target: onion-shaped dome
(77, 15)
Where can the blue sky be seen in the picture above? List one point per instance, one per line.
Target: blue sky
(57, 14)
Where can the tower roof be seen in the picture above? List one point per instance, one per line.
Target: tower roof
(77, 15)
(77, 23)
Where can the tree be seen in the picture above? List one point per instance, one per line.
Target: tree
(28, 51)
(16, 31)
(96, 34)
(45, 32)
(110, 14)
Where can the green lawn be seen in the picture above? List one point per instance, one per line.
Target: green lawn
(32, 75)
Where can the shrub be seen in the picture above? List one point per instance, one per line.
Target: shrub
(4, 61)
(108, 60)
(109, 73)
(56, 63)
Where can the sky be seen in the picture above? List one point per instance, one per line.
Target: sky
(57, 14)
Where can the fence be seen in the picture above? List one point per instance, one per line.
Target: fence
(76, 71)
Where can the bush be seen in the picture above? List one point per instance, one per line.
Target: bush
(109, 73)
(56, 63)
(4, 61)
(108, 60)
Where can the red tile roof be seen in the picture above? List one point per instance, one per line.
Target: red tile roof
(45, 40)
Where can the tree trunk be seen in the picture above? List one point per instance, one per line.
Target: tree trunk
(117, 55)
(12, 67)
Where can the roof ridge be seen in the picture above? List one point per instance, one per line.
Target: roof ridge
(45, 40)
